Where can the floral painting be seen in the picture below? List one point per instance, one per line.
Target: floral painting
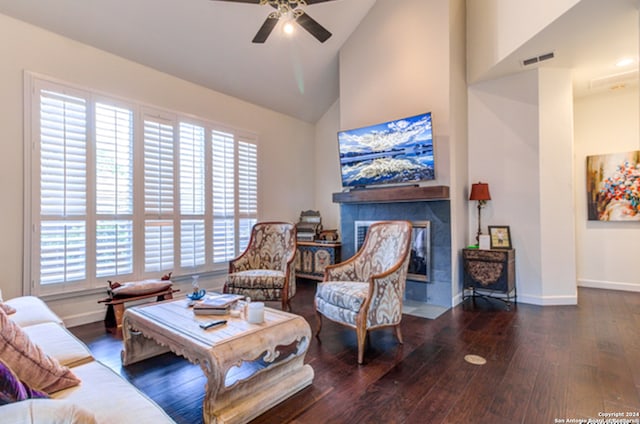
(613, 187)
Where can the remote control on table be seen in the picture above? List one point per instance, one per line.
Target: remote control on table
(209, 324)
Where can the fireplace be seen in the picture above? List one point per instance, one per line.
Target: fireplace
(420, 262)
(434, 286)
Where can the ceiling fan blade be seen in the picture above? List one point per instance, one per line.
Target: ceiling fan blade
(314, 28)
(265, 30)
(316, 1)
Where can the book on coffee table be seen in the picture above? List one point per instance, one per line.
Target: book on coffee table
(216, 304)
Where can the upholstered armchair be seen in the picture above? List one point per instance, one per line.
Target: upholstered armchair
(266, 269)
(366, 291)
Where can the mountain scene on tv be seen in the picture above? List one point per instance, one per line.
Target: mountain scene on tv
(393, 152)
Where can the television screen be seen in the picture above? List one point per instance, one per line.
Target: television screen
(399, 151)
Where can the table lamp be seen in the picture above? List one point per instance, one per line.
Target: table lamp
(480, 192)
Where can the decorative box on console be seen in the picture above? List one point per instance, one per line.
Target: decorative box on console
(490, 272)
(313, 257)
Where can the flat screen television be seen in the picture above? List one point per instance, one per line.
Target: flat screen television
(394, 152)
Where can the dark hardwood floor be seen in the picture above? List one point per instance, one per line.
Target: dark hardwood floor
(544, 364)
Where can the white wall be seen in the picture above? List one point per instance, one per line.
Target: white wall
(459, 149)
(498, 27)
(408, 57)
(286, 145)
(504, 152)
(607, 252)
(327, 162)
(557, 208)
(396, 64)
(521, 143)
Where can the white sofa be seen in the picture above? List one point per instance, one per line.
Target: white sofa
(102, 396)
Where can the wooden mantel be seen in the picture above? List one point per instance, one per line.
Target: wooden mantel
(393, 194)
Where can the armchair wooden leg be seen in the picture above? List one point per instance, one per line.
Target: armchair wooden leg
(399, 334)
(361, 335)
(286, 305)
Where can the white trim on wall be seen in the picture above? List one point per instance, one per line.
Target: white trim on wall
(609, 285)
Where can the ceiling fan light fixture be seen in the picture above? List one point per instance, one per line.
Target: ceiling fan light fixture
(288, 28)
(285, 13)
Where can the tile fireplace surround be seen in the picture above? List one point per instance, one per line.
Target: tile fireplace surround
(429, 203)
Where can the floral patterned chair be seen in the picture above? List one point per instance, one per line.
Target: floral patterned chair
(266, 269)
(365, 292)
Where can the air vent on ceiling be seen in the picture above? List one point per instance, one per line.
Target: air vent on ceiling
(537, 59)
(615, 80)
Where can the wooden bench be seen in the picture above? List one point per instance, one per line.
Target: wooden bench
(115, 308)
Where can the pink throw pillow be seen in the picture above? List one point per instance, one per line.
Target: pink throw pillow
(8, 309)
(34, 367)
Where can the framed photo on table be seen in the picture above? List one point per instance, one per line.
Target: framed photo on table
(500, 237)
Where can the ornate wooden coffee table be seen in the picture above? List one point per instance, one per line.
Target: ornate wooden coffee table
(249, 367)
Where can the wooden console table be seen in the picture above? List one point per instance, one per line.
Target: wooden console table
(490, 273)
(313, 257)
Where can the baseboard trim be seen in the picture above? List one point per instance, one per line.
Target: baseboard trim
(535, 300)
(84, 318)
(609, 285)
(547, 300)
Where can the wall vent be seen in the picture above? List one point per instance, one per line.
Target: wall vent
(615, 80)
(537, 59)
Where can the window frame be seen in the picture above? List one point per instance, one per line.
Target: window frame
(140, 114)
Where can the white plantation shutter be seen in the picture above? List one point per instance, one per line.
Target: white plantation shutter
(223, 170)
(125, 192)
(158, 167)
(114, 160)
(192, 199)
(114, 248)
(158, 245)
(114, 190)
(192, 145)
(63, 154)
(192, 245)
(62, 251)
(63, 160)
(247, 190)
(158, 195)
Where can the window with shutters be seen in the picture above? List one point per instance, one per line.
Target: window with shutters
(158, 194)
(121, 191)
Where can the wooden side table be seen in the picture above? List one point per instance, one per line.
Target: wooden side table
(490, 273)
(116, 306)
(312, 257)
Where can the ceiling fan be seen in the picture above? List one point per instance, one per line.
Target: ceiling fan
(290, 10)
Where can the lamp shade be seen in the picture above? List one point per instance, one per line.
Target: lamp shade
(480, 191)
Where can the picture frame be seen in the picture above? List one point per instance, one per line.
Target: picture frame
(500, 236)
(613, 187)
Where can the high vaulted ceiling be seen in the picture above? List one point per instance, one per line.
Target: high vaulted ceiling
(208, 42)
